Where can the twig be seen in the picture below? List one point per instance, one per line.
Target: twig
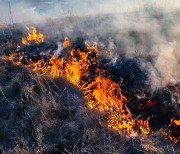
(4, 95)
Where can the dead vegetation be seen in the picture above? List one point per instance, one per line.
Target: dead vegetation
(39, 114)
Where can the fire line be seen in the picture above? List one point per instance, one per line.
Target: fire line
(101, 92)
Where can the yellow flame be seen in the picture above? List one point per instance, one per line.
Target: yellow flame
(170, 134)
(144, 126)
(75, 68)
(56, 68)
(12, 56)
(40, 66)
(105, 95)
(101, 92)
(66, 42)
(177, 122)
(33, 36)
(116, 122)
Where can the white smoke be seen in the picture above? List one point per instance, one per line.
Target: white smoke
(134, 29)
(59, 49)
(37, 10)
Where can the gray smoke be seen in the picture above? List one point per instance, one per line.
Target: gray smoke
(139, 29)
(154, 34)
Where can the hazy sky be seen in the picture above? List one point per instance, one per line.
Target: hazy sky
(26, 10)
(137, 27)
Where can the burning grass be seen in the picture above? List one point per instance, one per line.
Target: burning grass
(63, 121)
(101, 92)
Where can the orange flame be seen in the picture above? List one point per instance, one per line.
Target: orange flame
(76, 67)
(16, 57)
(56, 68)
(106, 96)
(172, 131)
(34, 36)
(101, 93)
(177, 122)
(144, 126)
(40, 66)
(66, 42)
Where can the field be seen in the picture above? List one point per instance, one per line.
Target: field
(81, 85)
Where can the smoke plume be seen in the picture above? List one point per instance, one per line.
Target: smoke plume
(147, 32)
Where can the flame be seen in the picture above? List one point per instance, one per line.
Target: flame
(76, 66)
(144, 126)
(177, 122)
(12, 56)
(101, 92)
(16, 57)
(40, 66)
(105, 95)
(66, 42)
(117, 123)
(56, 68)
(32, 36)
(172, 131)
(93, 47)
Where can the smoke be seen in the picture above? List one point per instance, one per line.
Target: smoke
(39, 10)
(147, 31)
(152, 35)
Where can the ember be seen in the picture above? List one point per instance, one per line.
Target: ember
(172, 131)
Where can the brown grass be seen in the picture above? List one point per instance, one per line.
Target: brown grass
(39, 114)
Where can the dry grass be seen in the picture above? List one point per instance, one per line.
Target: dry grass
(39, 114)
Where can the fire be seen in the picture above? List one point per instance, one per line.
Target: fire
(100, 91)
(40, 66)
(177, 122)
(103, 94)
(33, 36)
(56, 66)
(76, 66)
(93, 47)
(16, 57)
(12, 56)
(172, 131)
(144, 126)
(117, 123)
(66, 42)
